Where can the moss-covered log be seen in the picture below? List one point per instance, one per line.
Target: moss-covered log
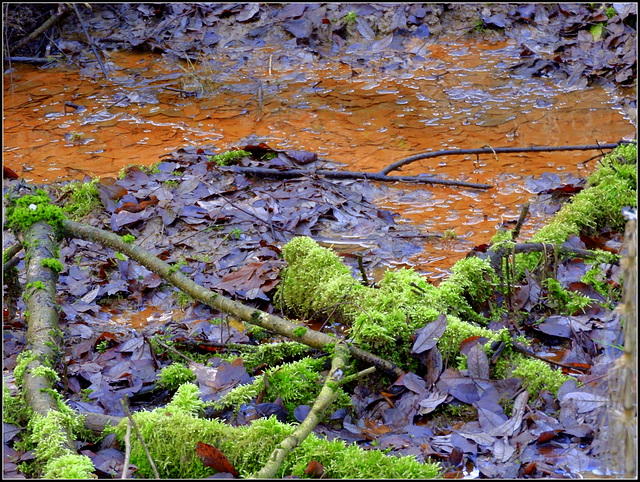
(216, 301)
(51, 424)
(44, 338)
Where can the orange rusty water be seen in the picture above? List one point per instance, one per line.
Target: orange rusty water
(460, 96)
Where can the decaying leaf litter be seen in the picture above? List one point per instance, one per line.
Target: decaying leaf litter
(182, 214)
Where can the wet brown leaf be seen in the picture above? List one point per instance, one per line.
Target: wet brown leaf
(214, 458)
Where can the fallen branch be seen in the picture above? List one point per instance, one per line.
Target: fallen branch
(219, 302)
(330, 174)
(495, 255)
(44, 338)
(91, 43)
(132, 422)
(55, 18)
(326, 396)
(33, 60)
(492, 150)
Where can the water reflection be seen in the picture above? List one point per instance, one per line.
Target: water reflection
(460, 96)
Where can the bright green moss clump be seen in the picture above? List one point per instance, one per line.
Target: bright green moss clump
(318, 282)
(69, 466)
(174, 375)
(296, 383)
(383, 319)
(32, 208)
(609, 189)
(229, 157)
(84, 198)
(171, 434)
(536, 375)
(53, 264)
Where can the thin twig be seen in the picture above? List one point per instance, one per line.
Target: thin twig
(127, 450)
(123, 402)
(91, 44)
(331, 174)
(170, 348)
(525, 351)
(523, 215)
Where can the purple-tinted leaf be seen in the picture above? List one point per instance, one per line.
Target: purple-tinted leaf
(512, 426)
(302, 157)
(478, 363)
(291, 11)
(584, 401)
(464, 444)
(433, 400)
(248, 12)
(556, 326)
(381, 44)
(502, 450)
(301, 412)
(432, 360)
(429, 335)
(364, 29)
(414, 383)
(300, 29)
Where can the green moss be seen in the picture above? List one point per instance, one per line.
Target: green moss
(598, 206)
(269, 354)
(53, 264)
(22, 361)
(14, 408)
(30, 288)
(27, 210)
(315, 280)
(174, 375)
(536, 375)
(472, 280)
(128, 238)
(69, 466)
(384, 319)
(296, 383)
(457, 331)
(152, 169)
(170, 434)
(299, 331)
(186, 400)
(565, 301)
(42, 371)
(84, 198)
(229, 157)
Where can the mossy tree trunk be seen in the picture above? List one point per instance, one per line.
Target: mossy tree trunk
(44, 337)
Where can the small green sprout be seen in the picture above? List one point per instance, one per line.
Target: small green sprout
(229, 157)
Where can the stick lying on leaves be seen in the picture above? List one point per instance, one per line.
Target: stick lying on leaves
(371, 176)
(314, 339)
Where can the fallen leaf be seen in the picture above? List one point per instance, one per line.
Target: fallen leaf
(214, 458)
(314, 469)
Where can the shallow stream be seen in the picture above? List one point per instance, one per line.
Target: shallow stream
(63, 124)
